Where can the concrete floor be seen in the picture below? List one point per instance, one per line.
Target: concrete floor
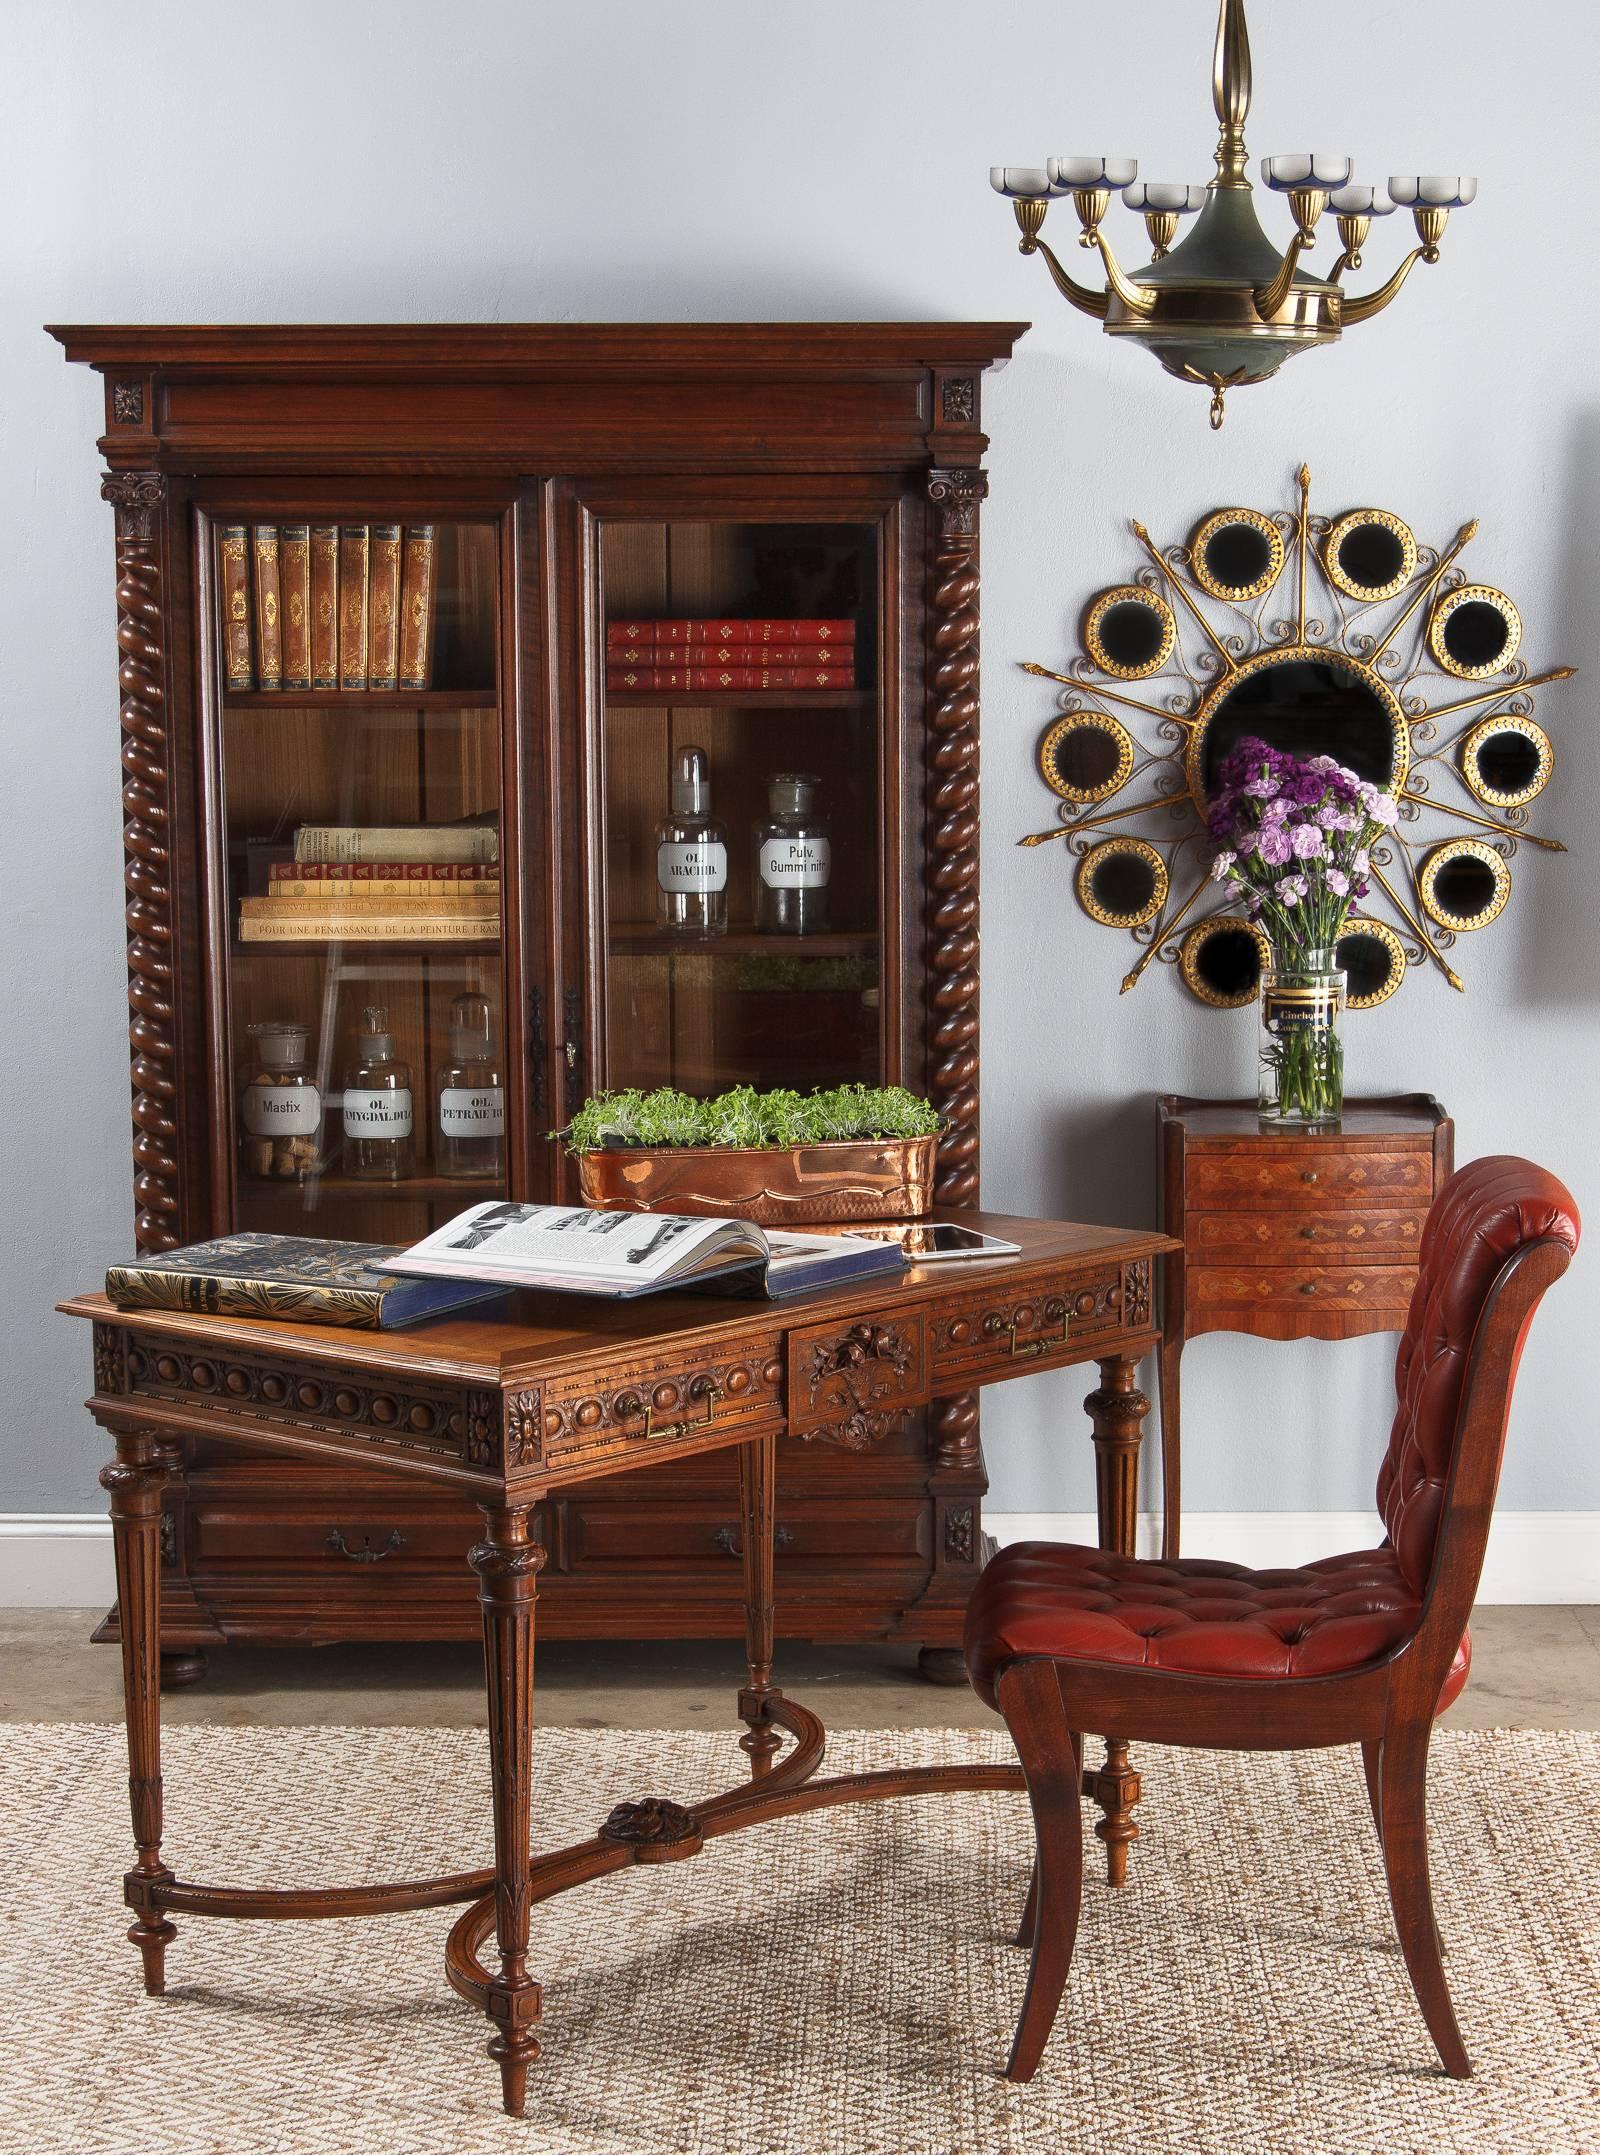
(1531, 1668)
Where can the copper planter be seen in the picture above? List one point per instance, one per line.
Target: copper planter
(780, 1186)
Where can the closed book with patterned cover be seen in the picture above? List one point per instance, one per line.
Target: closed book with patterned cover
(300, 1279)
(731, 654)
(336, 926)
(689, 680)
(353, 546)
(729, 629)
(383, 608)
(324, 606)
(269, 627)
(294, 592)
(460, 899)
(234, 554)
(416, 607)
(397, 842)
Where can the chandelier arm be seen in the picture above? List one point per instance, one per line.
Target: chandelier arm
(1133, 296)
(1270, 297)
(1082, 298)
(1362, 306)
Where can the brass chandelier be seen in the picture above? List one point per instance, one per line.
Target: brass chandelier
(1225, 308)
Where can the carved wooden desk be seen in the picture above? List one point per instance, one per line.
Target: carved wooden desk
(552, 1391)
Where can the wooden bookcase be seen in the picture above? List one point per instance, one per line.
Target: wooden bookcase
(570, 475)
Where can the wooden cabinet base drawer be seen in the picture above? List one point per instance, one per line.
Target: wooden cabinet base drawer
(1301, 1288)
(617, 1532)
(1290, 1174)
(1334, 1238)
(339, 1537)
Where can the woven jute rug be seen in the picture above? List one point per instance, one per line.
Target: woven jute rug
(839, 1985)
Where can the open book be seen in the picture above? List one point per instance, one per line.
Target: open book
(572, 1250)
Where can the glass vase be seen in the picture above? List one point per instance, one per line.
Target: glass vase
(1302, 1055)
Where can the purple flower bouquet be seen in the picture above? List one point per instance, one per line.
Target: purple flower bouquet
(1294, 839)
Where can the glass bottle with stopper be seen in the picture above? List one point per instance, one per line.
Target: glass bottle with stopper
(793, 859)
(691, 853)
(378, 1142)
(470, 1101)
(280, 1112)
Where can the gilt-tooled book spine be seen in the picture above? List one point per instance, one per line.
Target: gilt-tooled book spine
(339, 925)
(269, 626)
(352, 605)
(730, 629)
(416, 608)
(254, 1275)
(235, 553)
(324, 606)
(294, 592)
(681, 680)
(383, 608)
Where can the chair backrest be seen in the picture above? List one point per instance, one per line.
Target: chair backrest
(1449, 1402)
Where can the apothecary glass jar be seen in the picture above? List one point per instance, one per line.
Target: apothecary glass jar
(1302, 1054)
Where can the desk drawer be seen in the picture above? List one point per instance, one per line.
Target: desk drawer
(1309, 1177)
(353, 1537)
(1332, 1238)
(612, 1531)
(632, 1407)
(1301, 1288)
(990, 1333)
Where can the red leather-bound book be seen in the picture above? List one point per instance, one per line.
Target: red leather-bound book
(727, 629)
(686, 680)
(731, 655)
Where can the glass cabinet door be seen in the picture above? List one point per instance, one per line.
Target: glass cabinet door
(359, 783)
(742, 813)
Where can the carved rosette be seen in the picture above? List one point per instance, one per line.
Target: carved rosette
(1136, 1292)
(953, 828)
(139, 498)
(108, 1365)
(524, 1430)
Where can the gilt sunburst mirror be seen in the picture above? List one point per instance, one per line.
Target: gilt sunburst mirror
(1343, 636)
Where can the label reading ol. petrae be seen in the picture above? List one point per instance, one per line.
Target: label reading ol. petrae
(795, 863)
(698, 866)
(281, 1110)
(466, 1111)
(377, 1114)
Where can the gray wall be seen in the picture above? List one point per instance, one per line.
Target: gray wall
(622, 159)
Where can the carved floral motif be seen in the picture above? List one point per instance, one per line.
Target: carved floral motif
(960, 1534)
(958, 402)
(127, 404)
(524, 1429)
(107, 1358)
(656, 1819)
(1137, 1292)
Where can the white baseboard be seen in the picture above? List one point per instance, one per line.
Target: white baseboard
(62, 1560)
(1534, 1556)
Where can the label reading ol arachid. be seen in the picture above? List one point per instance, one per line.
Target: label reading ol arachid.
(702, 865)
(467, 1111)
(281, 1110)
(795, 863)
(377, 1114)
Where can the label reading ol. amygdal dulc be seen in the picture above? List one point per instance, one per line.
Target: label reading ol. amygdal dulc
(281, 1110)
(472, 1111)
(377, 1114)
(795, 863)
(698, 866)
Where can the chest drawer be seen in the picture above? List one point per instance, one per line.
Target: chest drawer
(354, 1536)
(633, 1406)
(989, 1331)
(1302, 1288)
(1311, 1177)
(1331, 1238)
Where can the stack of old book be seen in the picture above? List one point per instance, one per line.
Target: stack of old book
(690, 657)
(327, 606)
(409, 883)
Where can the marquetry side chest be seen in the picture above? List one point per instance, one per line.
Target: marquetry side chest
(1289, 1235)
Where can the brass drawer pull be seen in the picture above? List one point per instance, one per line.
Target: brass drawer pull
(630, 1404)
(366, 1554)
(1309, 1175)
(1040, 1346)
(728, 1538)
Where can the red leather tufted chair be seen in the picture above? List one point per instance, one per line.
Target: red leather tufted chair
(1365, 1648)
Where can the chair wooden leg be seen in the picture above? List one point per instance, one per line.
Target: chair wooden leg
(1030, 1909)
(1372, 1766)
(1029, 1695)
(1403, 1826)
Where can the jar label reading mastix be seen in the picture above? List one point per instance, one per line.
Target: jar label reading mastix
(281, 1110)
(465, 1111)
(700, 866)
(795, 863)
(377, 1114)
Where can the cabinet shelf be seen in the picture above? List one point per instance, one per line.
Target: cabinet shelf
(641, 939)
(415, 1188)
(742, 699)
(362, 699)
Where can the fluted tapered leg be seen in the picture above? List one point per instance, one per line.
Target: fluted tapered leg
(508, 1562)
(1116, 1413)
(758, 1522)
(134, 1481)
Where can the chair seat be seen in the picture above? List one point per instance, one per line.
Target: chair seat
(1192, 1615)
